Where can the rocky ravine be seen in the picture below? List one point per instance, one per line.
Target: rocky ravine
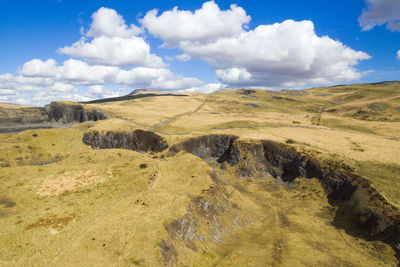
(357, 200)
(53, 115)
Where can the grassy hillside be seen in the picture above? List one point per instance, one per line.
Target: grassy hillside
(62, 202)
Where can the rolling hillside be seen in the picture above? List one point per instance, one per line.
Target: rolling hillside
(232, 178)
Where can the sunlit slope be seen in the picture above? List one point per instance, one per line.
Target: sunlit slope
(62, 202)
(119, 207)
(323, 119)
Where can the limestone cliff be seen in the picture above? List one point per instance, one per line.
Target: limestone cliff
(137, 140)
(15, 118)
(70, 112)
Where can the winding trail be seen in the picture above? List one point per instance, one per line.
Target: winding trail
(156, 126)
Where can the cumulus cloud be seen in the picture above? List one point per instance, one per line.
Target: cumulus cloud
(379, 12)
(207, 88)
(100, 91)
(44, 97)
(47, 81)
(207, 23)
(38, 68)
(23, 83)
(107, 22)
(114, 43)
(287, 54)
(183, 57)
(114, 51)
(63, 78)
(280, 54)
(77, 72)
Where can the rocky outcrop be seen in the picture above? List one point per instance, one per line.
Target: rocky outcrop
(15, 118)
(218, 147)
(138, 140)
(371, 212)
(71, 112)
(11, 116)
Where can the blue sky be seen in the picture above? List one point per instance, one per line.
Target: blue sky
(80, 50)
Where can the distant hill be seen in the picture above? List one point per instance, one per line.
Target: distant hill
(146, 91)
(135, 94)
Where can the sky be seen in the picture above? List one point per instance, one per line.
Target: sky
(82, 50)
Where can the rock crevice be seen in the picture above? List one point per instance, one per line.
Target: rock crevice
(220, 148)
(371, 212)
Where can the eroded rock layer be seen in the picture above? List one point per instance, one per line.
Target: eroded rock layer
(14, 118)
(137, 140)
(62, 112)
(218, 147)
(370, 211)
(357, 200)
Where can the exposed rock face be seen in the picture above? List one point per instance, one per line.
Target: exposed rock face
(370, 211)
(218, 147)
(350, 192)
(58, 111)
(286, 163)
(24, 115)
(14, 118)
(137, 140)
(247, 92)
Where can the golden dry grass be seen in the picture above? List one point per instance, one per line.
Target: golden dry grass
(75, 205)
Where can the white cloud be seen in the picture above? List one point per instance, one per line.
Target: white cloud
(48, 81)
(287, 54)
(379, 12)
(77, 72)
(100, 91)
(5, 92)
(111, 43)
(183, 57)
(44, 97)
(154, 79)
(207, 88)
(39, 68)
(81, 73)
(114, 51)
(63, 88)
(114, 43)
(234, 75)
(23, 83)
(398, 55)
(280, 54)
(207, 23)
(107, 22)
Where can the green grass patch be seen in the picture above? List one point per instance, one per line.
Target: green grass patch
(335, 123)
(384, 176)
(235, 124)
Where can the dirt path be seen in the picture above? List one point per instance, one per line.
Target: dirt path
(162, 124)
